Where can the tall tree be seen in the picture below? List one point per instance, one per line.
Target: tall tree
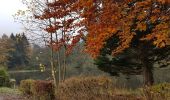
(64, 28)
(19, 57)
(6, 46)
(140, 24)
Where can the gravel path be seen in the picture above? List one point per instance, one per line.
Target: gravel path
(1, 98)
(11, 97)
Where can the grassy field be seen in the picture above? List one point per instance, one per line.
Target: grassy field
(11, 94)
(6, 90)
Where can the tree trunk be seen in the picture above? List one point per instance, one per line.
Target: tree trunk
(147, 75)
(64, 64)
(64, 51)
(147, 66)
(58, 60)
(53, 69)
(148, 79)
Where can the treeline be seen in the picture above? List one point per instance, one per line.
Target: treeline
(14, 51)
(17, 53)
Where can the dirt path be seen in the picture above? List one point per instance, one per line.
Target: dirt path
(11, 97)
(1, 98)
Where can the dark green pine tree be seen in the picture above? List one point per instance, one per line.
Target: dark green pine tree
(130, 62)
(11, 59)
(19, 57)
(26, 49)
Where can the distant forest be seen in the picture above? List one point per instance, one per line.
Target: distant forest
(17, 53)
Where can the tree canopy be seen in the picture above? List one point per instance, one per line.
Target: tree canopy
(113, 27)
(21, 55)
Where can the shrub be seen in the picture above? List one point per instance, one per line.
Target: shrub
(38, 89)
(43, 90)
(89, 88)
(25, 86)
(4, 77)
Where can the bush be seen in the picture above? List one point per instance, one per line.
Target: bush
(90, 88)
(25, 86)
(43, 90)
(4, 77)
(77, 88)
(157, 92)
(38, 89)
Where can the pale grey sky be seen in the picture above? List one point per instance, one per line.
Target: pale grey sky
(7, 9)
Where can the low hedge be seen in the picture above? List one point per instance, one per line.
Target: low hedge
(25, 86)
(38, 89)
(91, 88)
(43, 90)
(77, 88)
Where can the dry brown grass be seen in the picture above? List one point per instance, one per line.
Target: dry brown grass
(92, 88)
(157, 92)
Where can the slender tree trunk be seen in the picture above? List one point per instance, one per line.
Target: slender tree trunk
(52, 62)
(64, 64)
(64, 53)
(58, 59)
(59, 66)
(64, 60)
(53, 70)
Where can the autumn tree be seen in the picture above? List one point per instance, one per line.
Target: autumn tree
(6, 46)
(35, 28)
(63, 26)
(39, 20)
(140, 24)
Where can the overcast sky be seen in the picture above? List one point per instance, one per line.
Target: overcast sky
(7, 9)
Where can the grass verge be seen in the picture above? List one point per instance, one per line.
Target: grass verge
(6, 90)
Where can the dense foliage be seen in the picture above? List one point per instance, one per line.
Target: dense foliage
(14, 50)
(4, 77)
(25, 86)
(139, 37)
(115, 26)
(5, 48)
(38, 89)
(21, 55)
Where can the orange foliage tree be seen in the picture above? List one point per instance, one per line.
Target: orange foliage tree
(125, 19)
(63, 24)
(141, 24)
